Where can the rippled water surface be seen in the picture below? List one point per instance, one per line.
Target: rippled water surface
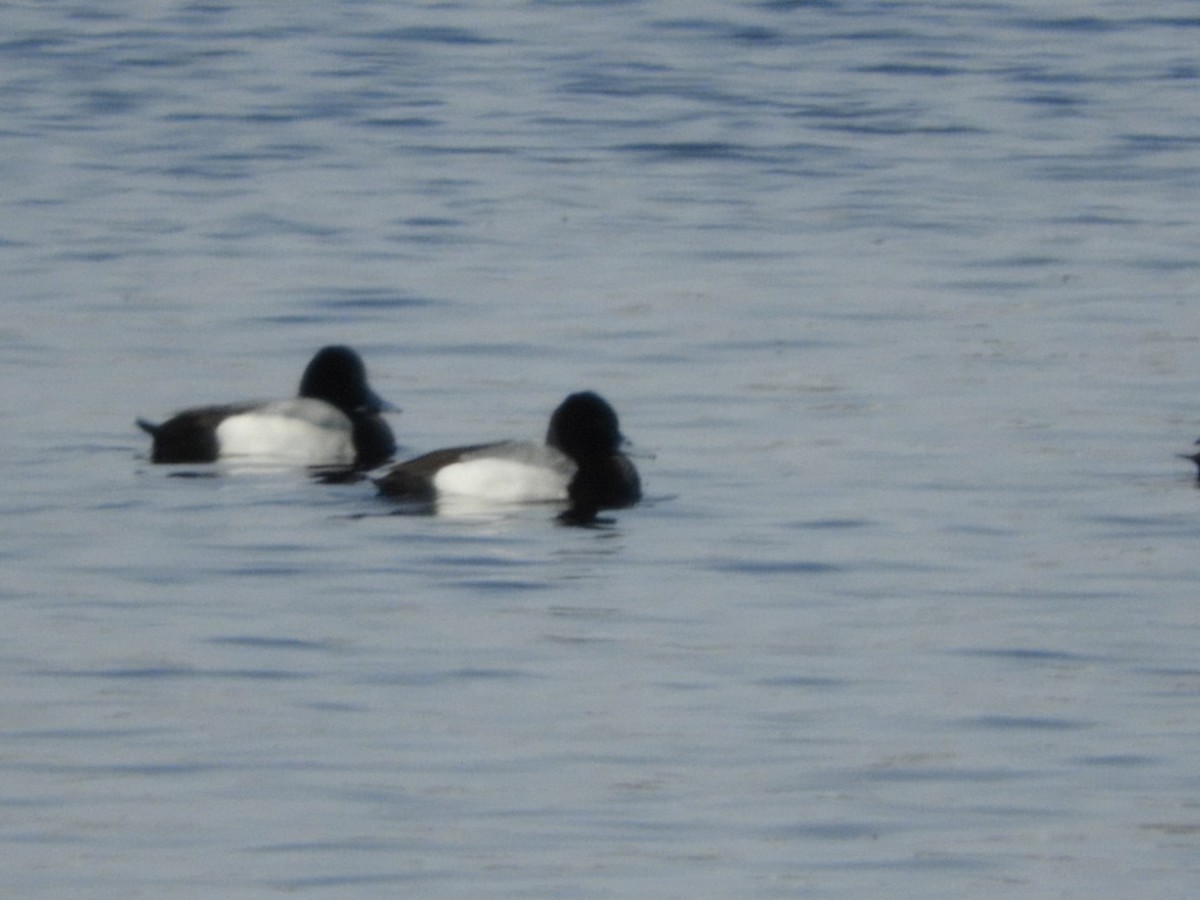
(898, 298)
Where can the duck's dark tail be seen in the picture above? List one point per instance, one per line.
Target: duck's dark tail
(149, 427)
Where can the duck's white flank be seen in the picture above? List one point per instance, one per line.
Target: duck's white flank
(300, 431)
(509, 473)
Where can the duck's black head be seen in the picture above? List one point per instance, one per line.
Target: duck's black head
(337, 376)
(585, 427)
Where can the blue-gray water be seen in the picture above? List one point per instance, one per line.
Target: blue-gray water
(900, 295)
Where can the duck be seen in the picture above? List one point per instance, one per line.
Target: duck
(334, 421)
(581, 463)
(1194, 457)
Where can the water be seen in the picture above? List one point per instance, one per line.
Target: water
(899, 295)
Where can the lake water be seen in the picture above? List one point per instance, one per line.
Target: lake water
(900, 296)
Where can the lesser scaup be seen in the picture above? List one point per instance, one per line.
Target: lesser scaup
(580, 462)
(1194, 457)
(335, 421)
